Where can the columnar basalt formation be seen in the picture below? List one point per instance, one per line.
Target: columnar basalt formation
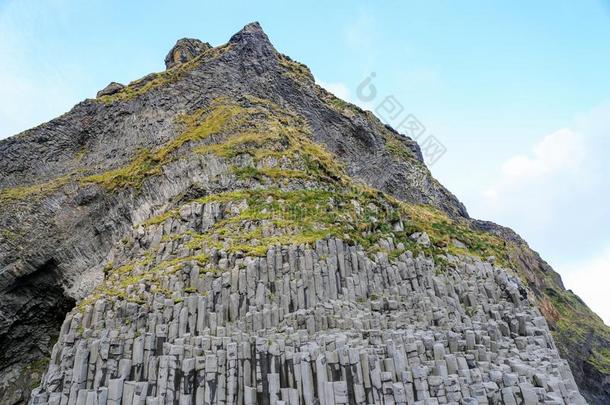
(321, 323)
(228, 232)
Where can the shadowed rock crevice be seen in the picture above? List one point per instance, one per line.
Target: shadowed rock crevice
(39, 304)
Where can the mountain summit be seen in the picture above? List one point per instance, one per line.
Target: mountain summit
(229, 232)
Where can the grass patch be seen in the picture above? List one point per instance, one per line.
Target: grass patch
(575, 325)
(259, 174)
(397, 148)
(143, 165)
(34, 191)
(294, 70)
(600, 359)
(200, 125)
(142, 86)
(442, 230)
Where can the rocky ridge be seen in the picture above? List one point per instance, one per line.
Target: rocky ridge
(221, 228)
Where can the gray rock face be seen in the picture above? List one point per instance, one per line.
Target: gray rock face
(185, 49)
(325, 321)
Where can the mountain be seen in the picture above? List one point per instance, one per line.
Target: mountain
(227, 231)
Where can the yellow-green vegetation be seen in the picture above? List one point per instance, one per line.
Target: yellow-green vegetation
(343, 107)
(9, 235)
(275, 132)
(259, 127)
(250, 172)
(160, 218)
(117, 280)
(155, 80)
(34, 191)
(575, 325)
(222, 115)
(600, 359)
(397, 148)
(361, 215)
(333, 205)
(274, 216)
(200, 125)
(365, 228)
(337, 103)
(294, 70)
(246, 142)
(442, 231)
(80, 155)
(35, 370)
(143, 165)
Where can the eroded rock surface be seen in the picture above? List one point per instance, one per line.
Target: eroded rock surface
(112, 88)
(185, 49)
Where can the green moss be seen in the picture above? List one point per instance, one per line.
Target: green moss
(337, 103)
(249, 172)
(298, 217)
(142, 86)
(442, 230)
(143, 165)
(159, 219)
(196, 127)
(247, 142)
(295, 70)
(35, 370)
(575, 325)
(80, 155)
(397, 148)
(246, 173)
(9, 235)
(222, 115)
(600, 359)
(34, 191)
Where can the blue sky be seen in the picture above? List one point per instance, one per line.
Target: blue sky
(518, 92)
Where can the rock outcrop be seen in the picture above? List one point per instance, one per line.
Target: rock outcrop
(185, 49)
(227, 231)
(111, 89)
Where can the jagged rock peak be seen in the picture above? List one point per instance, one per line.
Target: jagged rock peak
(254, 48)
(251, 32)
(185, 50)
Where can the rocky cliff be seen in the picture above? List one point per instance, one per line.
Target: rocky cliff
(227, 231)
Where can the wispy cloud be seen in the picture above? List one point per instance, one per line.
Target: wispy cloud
(556, 156)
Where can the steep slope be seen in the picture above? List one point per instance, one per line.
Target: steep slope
(219, 224)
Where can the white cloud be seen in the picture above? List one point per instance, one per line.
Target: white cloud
(556, 155)
(590, 280)
(555, 195)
